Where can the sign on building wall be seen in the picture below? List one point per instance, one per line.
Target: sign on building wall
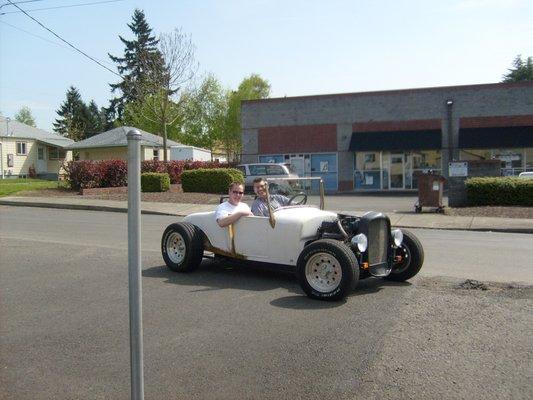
(457, 169)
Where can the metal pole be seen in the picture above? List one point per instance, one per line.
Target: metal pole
(134, 264)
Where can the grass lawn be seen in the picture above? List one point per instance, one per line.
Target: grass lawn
(10, 186)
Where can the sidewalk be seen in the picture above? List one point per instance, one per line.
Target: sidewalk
(400, 219)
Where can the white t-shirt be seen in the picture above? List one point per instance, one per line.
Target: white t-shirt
(226, 208)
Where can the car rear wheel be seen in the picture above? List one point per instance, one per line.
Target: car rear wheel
(327, 270)
(410, 257)
(182, 247)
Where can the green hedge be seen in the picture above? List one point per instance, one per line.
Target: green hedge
(499, 191)
(155, 182)
(214, 180)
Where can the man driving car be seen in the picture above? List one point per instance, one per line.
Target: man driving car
(260, 205)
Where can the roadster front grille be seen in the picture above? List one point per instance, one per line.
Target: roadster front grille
(378, 241)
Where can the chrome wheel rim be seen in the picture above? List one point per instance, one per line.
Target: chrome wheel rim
(323, 272)
(176, 249)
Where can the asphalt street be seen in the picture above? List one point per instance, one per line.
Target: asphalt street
(228, 332)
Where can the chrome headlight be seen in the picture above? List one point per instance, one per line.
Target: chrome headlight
(397, 236)
(360, 241)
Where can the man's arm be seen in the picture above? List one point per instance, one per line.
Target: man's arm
(230, 219)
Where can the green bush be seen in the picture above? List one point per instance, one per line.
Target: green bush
(155, 182)
(499, 191)
(214, 180)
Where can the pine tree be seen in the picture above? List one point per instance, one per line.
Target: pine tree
(141, 50)
(522, 70)
(73, 116)
(94, 122)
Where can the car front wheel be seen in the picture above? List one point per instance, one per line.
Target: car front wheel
(327, 270)
(182, 247)
(409, 258)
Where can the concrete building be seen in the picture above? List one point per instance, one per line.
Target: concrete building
(383, 140)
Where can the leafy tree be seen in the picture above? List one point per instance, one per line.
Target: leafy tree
(140, 115)
(73, 114)
(204, 111)
(163, 83)
(25, 116)
(522, 70)
(251, 88)
(140, 50)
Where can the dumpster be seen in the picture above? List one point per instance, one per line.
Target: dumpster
(430, 188)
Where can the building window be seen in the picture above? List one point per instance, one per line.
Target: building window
(40, 153)
(21, 149)
(156, 155)
(55, 153)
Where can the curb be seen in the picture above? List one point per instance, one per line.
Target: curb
(83, 207)
(90, 207)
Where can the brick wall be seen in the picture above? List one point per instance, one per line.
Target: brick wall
(297, 139)
(496, 121)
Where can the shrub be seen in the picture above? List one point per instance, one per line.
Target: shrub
(214, 180)
(155, 182)
(153, 166)
(499, 191)
(82, 174)
(113, 173)
(175, 168)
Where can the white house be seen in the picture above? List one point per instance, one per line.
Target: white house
(23, 147)
(113, 145)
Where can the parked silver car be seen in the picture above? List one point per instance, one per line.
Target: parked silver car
(264, 170)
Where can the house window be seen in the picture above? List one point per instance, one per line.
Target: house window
(21, 149)
(156, 154)
(55, 153)
(40, 153)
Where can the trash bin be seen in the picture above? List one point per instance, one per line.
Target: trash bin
(430, 188)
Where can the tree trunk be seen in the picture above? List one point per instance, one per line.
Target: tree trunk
(165, 142)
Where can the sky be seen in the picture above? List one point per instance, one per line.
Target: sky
(302, 47)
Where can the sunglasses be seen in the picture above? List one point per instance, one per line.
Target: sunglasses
(237, 192)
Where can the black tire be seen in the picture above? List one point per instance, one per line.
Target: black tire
(412, 254)
(182, 247)
(338, 258)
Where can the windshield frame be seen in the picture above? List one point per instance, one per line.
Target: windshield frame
(271, 218)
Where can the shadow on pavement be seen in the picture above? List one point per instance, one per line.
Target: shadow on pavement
(213, 275)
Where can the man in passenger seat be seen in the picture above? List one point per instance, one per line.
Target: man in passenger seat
(231, 210)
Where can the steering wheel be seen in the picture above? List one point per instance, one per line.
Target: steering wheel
(298, 199)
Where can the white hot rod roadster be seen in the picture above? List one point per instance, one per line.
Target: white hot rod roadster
(329, 252)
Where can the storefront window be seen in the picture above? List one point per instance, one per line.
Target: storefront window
(423, 161)
(368, 170)
(529, 159)
(511, 160)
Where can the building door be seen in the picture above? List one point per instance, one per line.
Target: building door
(396, 174)
(41, 160)
(325, 166)
(298, 166)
